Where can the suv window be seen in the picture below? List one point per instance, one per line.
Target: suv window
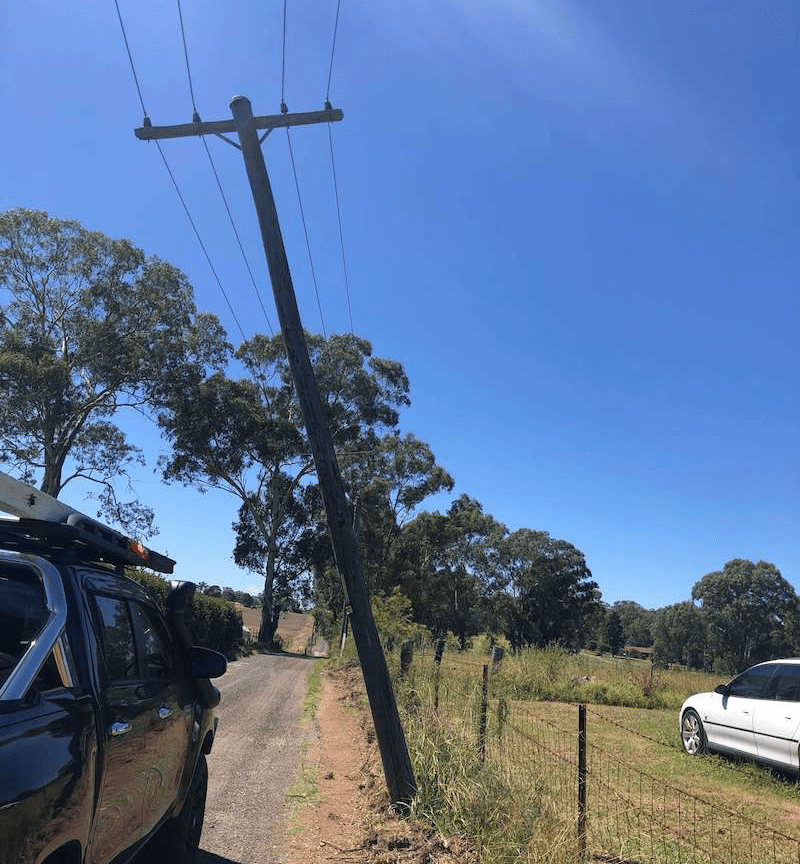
(23, 613)
(156, 644)
(118, 643)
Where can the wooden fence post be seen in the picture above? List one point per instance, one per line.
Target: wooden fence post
(484, 710)
(406, 656)
(437, 659)
(497, 659)
(581, 783)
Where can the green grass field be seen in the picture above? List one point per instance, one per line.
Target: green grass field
(647, 799)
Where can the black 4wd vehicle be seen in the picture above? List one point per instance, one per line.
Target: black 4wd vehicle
(105, 707)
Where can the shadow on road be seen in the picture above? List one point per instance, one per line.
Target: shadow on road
(211, 858)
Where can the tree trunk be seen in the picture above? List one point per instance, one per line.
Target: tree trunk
(269, 612)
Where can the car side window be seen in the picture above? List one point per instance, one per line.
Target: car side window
(23, 613)
(787, 685)
(752, 684)
(117, 636)
(157, 648)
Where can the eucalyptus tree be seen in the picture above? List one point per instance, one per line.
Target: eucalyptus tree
(451, 568)
(751, 613)
(553, 597)
(387, 478)
(89, 326)
(680, 634)
(245, 436)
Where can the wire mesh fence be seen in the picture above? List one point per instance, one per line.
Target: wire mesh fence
(630, 816)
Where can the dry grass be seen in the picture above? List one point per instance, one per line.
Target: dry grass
(648, 800)
(294, 628)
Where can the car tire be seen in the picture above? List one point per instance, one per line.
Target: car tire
(693, 735)
(178, 839)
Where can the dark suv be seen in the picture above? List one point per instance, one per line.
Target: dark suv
(106, 709)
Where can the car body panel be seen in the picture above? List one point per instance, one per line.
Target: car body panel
(757, 715)
(84, 759)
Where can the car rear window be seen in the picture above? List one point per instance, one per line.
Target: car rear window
(787, 682)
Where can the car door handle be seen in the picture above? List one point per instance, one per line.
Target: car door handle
(164, 712)
(119, 729)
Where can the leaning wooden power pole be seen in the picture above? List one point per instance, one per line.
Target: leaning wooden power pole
(388, 729)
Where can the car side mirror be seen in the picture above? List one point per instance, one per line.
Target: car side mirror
(205, 663)
(722, 689)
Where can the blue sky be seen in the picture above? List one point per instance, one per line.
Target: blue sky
(575, 225)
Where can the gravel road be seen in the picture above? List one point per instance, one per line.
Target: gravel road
(254, 759)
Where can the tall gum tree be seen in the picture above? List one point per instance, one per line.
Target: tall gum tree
(246, 438)
(751, 613)
(89, 327)
(552, 593)
(387, 479)
(450, 571)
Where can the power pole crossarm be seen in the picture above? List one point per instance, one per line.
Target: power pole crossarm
(220, 127)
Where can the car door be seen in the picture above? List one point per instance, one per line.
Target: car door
(728, 719)
(170, 706)
(776, 721)
(129, 748)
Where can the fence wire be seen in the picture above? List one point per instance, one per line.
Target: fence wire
(632, 816)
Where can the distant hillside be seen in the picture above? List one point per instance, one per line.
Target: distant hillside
(294, 628)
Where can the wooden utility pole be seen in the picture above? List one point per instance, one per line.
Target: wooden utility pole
(388, 729)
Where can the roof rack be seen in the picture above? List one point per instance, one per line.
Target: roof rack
(46, 524)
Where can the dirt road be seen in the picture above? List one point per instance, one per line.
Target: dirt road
(254, 760)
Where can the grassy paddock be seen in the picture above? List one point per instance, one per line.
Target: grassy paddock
(648, 800)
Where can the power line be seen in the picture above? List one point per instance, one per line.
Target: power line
(188, 70)
(305, 231)
(196, 118)
(200, 240)
(172, 176)
(238, 238)
(341, 233)
(333, 168)
(333, 49)
(284, 108)
(133, 68)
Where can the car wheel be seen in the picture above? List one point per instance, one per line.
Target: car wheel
(692, 733)
(177, 840)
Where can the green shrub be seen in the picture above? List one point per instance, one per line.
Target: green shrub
(392, 615)
(213, 623)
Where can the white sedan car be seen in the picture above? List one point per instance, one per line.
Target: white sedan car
(756, 715)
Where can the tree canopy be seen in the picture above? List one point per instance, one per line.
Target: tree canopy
(245, 436)
(750, 610)
(89, 326)
(552, 592)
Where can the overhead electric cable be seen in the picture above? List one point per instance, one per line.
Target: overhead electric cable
(172, 176)
(238, 238)
(341, 233)
(196, 119)
(200, 240)
(333, 168)
(305, 231)
(333, 49)
(133, 68)
(284, 108)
